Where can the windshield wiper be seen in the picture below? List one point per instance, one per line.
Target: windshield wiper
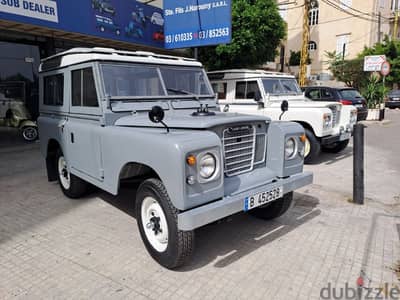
(183, 92)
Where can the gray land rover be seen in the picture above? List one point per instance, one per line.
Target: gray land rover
(108, 115)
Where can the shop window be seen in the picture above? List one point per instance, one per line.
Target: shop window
(312, 46)
(83, 88)
(313, 16)
(341, 43)
(246, 89)
(53, 90)
(220, 89)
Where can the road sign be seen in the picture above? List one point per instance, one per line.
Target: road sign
(373, 63)
(193, 23)
(385, 68)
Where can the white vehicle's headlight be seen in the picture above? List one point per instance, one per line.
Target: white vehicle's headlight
(207, 166)
(327, 120)
(290, 148)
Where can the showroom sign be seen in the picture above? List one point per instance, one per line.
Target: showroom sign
(128, 21)
(39, 9)
(192, 23)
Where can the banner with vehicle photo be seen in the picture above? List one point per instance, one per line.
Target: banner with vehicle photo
(128, 21)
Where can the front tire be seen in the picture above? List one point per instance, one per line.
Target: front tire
(274, 209)
(336, 147)
(71, 186)
(312, 147)
(157, 219)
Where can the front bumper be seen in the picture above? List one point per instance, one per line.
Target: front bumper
(232, 204)
(342, 136)
(392, 104)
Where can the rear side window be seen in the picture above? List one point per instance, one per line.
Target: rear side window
(313, 94)
(53, 88)
(350, 94)
(246, 89)
(325, 93)
(83, 88)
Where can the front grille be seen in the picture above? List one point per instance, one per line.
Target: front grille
(239, 149)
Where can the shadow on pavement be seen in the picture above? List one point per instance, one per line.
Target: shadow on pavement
(226, 241)
(331, 158)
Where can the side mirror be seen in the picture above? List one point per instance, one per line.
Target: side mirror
(284, 106)
(156, 115)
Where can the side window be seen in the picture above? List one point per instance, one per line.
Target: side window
(220, 89)
(326, 94)
(53, 89)
(314, 94)
(240, 90)
(246, 90)
(83, 88)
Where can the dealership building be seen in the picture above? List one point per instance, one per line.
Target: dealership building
(33, 29)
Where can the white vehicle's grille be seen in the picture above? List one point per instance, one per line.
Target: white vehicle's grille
(239, 149)
(335, 116)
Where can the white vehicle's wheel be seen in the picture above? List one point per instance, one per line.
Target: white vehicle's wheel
(312, 147)
(154, 224)
(30, 133)
(157, 219)
(63, 173)
(72, 186)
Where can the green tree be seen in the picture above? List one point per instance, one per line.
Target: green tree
(257, 30)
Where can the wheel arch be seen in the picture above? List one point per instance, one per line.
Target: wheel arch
(53, 146)
(136, 170)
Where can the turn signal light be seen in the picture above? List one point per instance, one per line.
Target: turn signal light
(191, 160)
(303, 138)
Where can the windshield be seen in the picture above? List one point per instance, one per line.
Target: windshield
(277, 86)
(130, 80)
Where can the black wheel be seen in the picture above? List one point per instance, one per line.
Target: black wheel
(336, 147)
(157, 220)
(72, 186)
(312, 147)
(274, 209)
(30, 133)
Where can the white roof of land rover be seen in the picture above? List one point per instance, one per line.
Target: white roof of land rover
(81, 55)
(246, 73)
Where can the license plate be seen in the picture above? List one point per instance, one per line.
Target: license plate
(358, 105)
(345, 136)
(262, 198)
(396, 99)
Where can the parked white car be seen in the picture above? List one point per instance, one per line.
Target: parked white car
(328, 125)
(157, 18)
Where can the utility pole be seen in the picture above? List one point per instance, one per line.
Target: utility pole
(396, 20)
(304, 46)
(379, 26)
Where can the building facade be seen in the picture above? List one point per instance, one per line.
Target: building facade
(344, 26)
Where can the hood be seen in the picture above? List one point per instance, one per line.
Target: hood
(185, 120)
(301, 102)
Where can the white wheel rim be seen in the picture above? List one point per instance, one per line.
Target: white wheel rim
(307, 147)
(29, 133)
(154, 224)
(63, 173)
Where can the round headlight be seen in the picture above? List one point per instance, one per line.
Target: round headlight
(207, 165)
(290, 148)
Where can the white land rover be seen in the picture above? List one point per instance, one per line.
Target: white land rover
(328, 125)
